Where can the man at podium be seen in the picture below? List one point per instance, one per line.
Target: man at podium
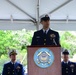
(45, 36)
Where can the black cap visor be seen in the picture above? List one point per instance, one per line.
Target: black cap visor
(65, 53)
(45, 19)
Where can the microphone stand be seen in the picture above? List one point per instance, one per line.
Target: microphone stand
(54, 42)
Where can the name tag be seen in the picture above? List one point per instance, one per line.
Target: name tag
(38, 37)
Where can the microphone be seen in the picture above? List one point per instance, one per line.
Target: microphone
(53, 38)
(54, 42)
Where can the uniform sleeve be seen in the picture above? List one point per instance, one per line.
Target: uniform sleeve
(75, 68)
(4, 70)
(22, 72)
(34, 42)
(58, 39)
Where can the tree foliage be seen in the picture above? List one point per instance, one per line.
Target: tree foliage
(14, 40)
(68, 41)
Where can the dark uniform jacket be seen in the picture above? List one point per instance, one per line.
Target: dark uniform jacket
(13, 69)
(40, 38)
(68, 68)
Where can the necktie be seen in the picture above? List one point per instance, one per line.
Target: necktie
(45, 31)
(66, 63)
(13, 65)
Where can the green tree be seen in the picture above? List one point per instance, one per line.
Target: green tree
(68, 40)
(14, 39)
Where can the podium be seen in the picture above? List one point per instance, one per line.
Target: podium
(53, 69)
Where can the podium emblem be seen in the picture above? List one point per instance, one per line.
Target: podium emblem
(43, 57)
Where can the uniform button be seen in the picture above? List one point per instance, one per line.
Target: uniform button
(8, 72)
(44, 43)
(66, 71)
(13, 72)
(72, 70)
(44, 39)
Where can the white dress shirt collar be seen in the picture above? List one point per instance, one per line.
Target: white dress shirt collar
(13, 62)
(66, 62)
(46, 30)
